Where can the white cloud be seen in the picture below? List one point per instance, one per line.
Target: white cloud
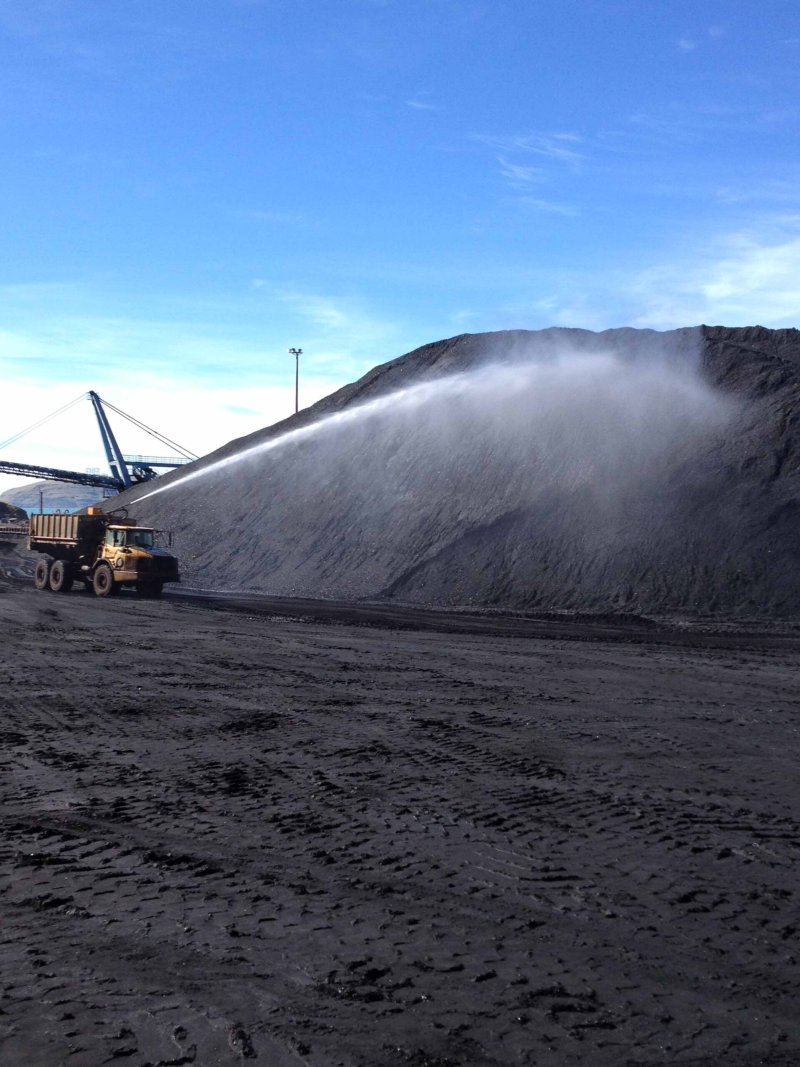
(560, 150)
(559, 147)
(551, 207)
(336, 329)
(689, 44)
(86, 348)
(770, 191)
(747, 279)
(519, 175)
(319, 310)
(738, 279)
(678, 125)
(464, 318)
(419, 103)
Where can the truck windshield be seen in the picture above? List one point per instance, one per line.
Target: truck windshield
(140, 538)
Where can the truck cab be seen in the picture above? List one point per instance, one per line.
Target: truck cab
(135, 559)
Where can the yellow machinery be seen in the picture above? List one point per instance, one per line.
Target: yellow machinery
(103, 551)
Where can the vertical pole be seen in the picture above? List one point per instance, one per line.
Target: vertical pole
(41, 502)
(297, 353)
(116, 461)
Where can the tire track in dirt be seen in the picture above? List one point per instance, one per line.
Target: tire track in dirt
(302, 843)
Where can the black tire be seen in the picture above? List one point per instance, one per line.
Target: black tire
(103, 581)
(151, 589)
(41, 576)
(61, 577)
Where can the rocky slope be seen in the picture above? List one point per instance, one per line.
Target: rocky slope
(558, 469)
(10, 513)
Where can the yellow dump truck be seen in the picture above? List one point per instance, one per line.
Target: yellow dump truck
(103, 551)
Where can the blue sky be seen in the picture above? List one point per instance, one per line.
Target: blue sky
(191, 187)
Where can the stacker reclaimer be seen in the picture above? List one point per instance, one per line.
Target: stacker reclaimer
(125, 470)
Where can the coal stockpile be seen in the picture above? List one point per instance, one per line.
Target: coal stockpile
(10, 513)
(628, 470)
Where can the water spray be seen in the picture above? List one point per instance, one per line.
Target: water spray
(562, 420)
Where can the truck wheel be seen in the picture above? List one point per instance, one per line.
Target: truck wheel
(151, 589)
(60, 577)
(103, 581)
(41, 576)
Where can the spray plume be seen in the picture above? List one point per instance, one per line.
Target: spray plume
(463, 478)
(568, 419)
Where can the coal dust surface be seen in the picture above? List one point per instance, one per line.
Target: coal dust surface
(310, 834)
(560, 469)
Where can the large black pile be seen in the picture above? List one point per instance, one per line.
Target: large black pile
(559, 469)
(11, 513)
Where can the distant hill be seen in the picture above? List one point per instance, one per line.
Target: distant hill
(556, 469)
(56, 496)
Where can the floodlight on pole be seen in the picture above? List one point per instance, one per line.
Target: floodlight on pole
(297, 353)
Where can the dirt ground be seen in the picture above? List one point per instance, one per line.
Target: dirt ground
(332, 835)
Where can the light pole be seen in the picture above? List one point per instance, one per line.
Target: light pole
(41, 502)
(297, 353)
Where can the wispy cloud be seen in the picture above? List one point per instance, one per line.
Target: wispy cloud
(748, 277)
(82, 348)
(335, 331)
(518, 174)
(768, 191)
(464, 318)
(559, 147)
(552, 153)
(551, 207)
(420, 103)
(320, 310)
(706, 123)
(690, 44)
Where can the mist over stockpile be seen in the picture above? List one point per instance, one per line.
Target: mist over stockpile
(556, 469)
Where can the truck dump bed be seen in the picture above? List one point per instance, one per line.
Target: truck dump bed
(65, 531)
